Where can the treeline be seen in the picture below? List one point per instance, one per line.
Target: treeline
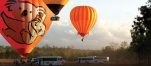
(117, 54)
(141, 35)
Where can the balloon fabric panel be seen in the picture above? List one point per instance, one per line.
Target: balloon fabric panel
(56, 5)
(83, 18)
(24, 23)
(93, 17)
(61, 2)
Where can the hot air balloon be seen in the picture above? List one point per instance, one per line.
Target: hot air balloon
(83, 19)
(24, 23)
(55, 6)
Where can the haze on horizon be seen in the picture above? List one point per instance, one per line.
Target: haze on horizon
(115, 18)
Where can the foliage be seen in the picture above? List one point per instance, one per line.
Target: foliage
(70, 53)
(141, 34)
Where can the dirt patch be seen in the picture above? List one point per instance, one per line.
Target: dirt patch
(6, 60)
(9, 62)
(97, 64)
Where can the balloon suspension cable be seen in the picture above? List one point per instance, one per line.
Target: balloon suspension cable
(82, 39)
(22, 57)
(55, 15)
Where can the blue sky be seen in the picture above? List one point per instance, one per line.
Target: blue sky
(115, 18)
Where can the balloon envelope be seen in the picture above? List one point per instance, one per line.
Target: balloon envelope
(56, 5)
(24, 23)
(83, 18)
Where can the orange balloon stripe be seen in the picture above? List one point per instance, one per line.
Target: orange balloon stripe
(89, 21)
(84, 19)
(62, 2)
(80, 19)
(94, 20)
(74, 19)
(71, 15)
(87, 17)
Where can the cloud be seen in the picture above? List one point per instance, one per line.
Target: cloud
(62, 23)
(64, 40)
(113, 31)
(62, 33)
(71, 32)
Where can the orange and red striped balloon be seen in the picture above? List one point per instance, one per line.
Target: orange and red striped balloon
(83, 18)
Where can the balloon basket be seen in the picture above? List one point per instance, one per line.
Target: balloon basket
(82, 39)
(55, 18)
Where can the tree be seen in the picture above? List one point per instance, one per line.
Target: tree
(68, 51)
(123, 54)
(1, 48)
(141, 34)
(114, 45)
(7, 54)
(124, 44)
(110, 52)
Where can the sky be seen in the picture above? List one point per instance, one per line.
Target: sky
(115, 18)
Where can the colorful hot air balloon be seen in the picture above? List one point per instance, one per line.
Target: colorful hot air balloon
(83, 18)
(55, 6)
(24, 23)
